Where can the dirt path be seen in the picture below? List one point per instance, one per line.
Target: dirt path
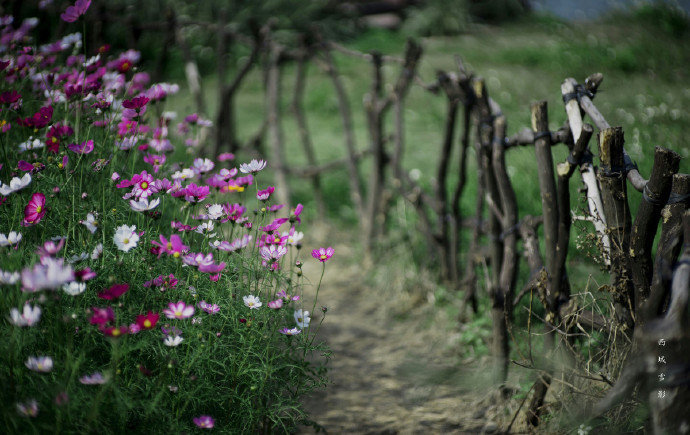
(389, 376)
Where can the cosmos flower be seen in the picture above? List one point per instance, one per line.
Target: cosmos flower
(50, 273)
(204, 422)
(96, 378)
(322, 254)
(179, 310)
(28, 317)
(144, 204)
(42, 364)
(275, 305)
(114, 291)
(147, 321)
(35, 210)
(16, 184)
(74, 288)
(252, 302)
(12, 238)
(50, 248)
(9, 277)
(302, 318)
(126, 237)
(91, 223)
(290, 331)
(84, 148)
(72, 13)
(173, 340)
(252, 167)
(101, 316)
(264, 195)
(28, 408)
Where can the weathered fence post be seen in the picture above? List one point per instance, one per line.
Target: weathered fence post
(654, 197)
(618, 222)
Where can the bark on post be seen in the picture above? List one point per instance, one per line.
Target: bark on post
(547, 184)
(654, 198)
(301, 118)
(669, 246)
(348, 129)
(449, 261)
(275, 127)
(618, 222)
(502, 297)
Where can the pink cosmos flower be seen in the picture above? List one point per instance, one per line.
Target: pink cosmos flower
(84, 148)
(147, 321)
(322, 254)
(50, 248)
(273, 253)
(72, 13)
(101, 316)
(50, 273)
(93, 379)
(236, 244)
(273, 225)
(209, 308)
(172, 247)
(277, 304)
(290, 331)
(225, 156)
(115, 331)
(155, 160)
(204, 421)
(193, 193)
(294, 216)
(179, 310)
(114, 291)
(35, 210)
(263, 195)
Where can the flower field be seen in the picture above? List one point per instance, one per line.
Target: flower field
(142, 286)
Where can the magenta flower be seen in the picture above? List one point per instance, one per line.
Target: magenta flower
(290, 331)
(35, 210)
(179, 310)
(50, 248)
(84, 148)
(114, 291)
(275, 305)
(274, 225)
(263, 195)
(101, 316)
(294, 216)
(225, 156)
(72, 13)
(322, 254)
(172, 247)
(209, 308)
(204, 421)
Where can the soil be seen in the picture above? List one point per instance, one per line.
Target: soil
(392, 370)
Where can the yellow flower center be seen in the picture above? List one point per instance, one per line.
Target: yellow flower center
(144, 185)
(38, 209)
(53, 139)
(60, 165)
(168, 245)
(3, 123)
(116, 332)
(176, 254)
(125, 66)
(323, 256)
(125, 241)
(147, 323)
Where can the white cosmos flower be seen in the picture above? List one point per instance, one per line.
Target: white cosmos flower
(252, 302)
(50, 273)
(43, 364)
(183, 174)
(252, 167)
(10, 239)
(302, 318)
(144, 204)
(294, 238)
(215, 211)
(206, 227)
(16, 184)
(97, 251)
(28, 317)
(173, 340)
(91, 223)
(31, 144)
(8, 277)
(76, 258)
(74, 288)
(126, 237)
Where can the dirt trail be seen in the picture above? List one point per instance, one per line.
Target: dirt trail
(389, 376)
